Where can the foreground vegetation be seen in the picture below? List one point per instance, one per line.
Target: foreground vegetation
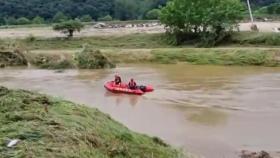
(49, 127)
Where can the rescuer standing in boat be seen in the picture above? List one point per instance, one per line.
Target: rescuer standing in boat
(118, 80)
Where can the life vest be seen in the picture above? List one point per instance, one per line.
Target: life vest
(118, 79)
(132, 84)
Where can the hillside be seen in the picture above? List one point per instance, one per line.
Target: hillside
(117, 9)
(49, 127)
(262, 2)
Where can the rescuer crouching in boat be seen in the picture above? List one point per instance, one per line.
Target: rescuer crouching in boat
(132, 84)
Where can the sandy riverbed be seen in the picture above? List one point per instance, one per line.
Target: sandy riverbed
(47, 32)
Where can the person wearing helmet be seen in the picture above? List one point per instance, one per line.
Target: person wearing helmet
(132, 84)
(118, 80)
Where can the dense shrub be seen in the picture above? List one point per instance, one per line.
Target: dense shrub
(12, 58)
(92, 59)
(23, 21)
(86, 18)
(153, 14)
(105, 18)
(38, 20)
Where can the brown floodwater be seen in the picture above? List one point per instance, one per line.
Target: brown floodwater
(210, 111)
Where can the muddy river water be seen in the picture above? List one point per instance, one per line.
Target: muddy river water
(211, 111)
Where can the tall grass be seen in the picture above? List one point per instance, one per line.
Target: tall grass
(140, 41)
(263, 57)
(49, 127)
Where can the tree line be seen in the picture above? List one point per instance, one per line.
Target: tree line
(272, 9)
(18, 12)
(52, 11)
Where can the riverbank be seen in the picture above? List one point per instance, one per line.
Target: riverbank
(141, 41)
(200, 56)
(243, 48)
(114, 28)
(108, 58)
(52, 127)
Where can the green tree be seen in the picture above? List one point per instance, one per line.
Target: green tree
(153, 14)
(277, 10)
(122, 9)
(210, 20)
(2, 21)
(273, 8)
(105, 18)
(59, 17)
(11, 21)
(86, 18)
(23, 21)
(126, 9)
(69, 27)
(38, 20)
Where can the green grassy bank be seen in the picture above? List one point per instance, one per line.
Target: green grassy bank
(107, 58)
(213, 56)
(114, 22)
(230, 56)
(137, 41)
(244, 48)
(49, 127)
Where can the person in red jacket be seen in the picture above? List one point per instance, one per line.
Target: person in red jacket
(118, 80)
(132, 84)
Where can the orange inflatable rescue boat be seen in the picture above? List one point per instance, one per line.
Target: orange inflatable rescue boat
(123, 88)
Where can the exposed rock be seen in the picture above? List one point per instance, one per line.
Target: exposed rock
(100, 25)
(248, 154)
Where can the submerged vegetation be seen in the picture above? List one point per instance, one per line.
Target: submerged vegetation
(50, 61)
(12, 58)
(92, 59)
(88, 58)
(49, 127)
